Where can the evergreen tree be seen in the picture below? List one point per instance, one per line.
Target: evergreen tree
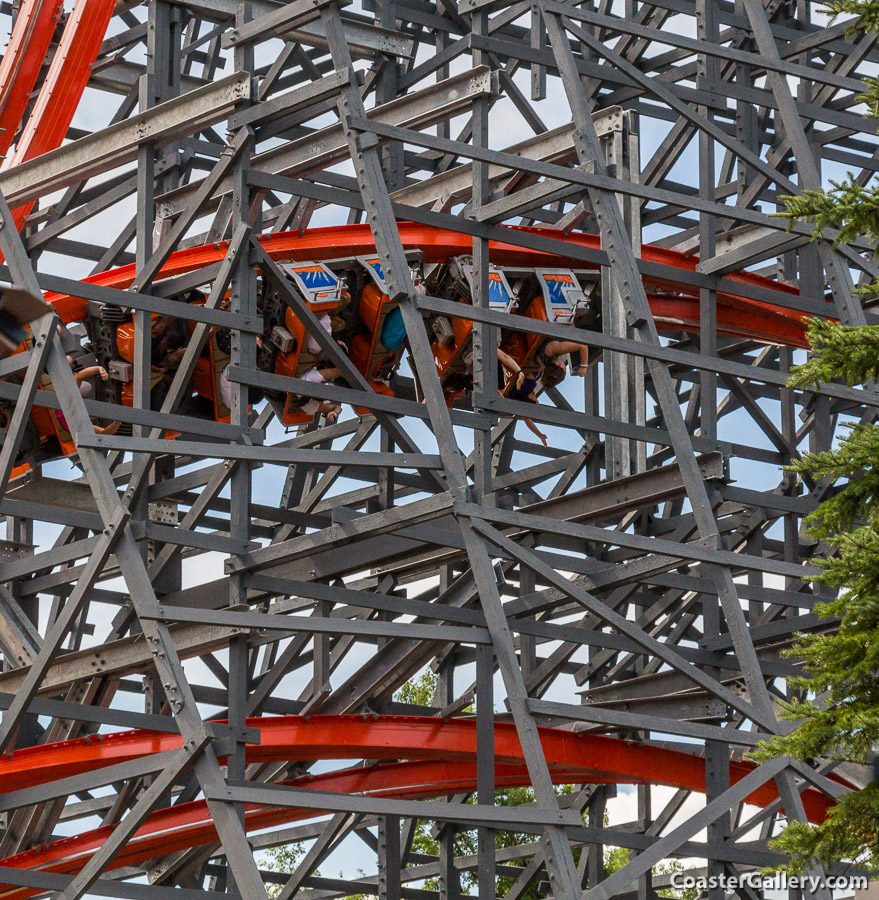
(842, 721)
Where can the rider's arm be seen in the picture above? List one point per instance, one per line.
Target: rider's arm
(511, 366)
(89, 372)
(553, 349)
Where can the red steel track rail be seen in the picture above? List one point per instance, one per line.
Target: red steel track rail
(675, 303)
(438, 759)
(65, 83)
(22, 61)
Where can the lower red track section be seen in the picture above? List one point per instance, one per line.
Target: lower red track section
(675, 304)
(439, 759)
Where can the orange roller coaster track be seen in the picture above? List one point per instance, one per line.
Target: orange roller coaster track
(674, 302)
(419, 758)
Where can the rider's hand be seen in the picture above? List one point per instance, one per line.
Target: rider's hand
(520, 380)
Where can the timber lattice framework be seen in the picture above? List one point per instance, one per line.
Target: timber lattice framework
(214, 584)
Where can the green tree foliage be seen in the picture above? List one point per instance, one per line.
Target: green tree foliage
(617, 857)
(843, 723)
(847, 206)
(866, 14)
(282, 859)
(418, 691)
(465, 844)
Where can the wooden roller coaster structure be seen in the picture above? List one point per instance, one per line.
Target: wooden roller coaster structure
(184, 681)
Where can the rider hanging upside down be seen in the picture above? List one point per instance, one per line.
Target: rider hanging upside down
(531, 360)
(520, 387)
(319, 374)
(85, 389)
(310, 405)
(170, 336)
(554, 357)
(525, 391)
(552, 360)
